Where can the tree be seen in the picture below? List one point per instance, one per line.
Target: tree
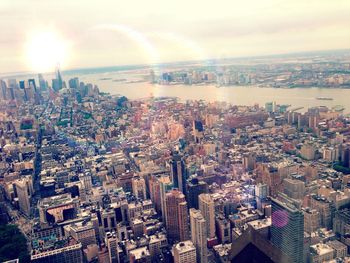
(13, 244)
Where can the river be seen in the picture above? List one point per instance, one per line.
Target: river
(239, 95)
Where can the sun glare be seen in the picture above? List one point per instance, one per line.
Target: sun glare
(45, 50)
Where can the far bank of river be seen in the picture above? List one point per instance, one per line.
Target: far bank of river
(239, 95)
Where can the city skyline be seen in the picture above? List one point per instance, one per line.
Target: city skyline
(117, 33)
(174, 132)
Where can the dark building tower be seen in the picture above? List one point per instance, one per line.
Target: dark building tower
(31, 83)
(194, 189)
(73, 83)
(3, 88)
(12, 85)
(198, 130)
(42, 82)
(22, 84)
(345, 155)
(178, 172)
(287, 229)
(59, 78)
(55, 85)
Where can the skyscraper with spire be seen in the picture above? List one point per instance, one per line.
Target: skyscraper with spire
(57, 83)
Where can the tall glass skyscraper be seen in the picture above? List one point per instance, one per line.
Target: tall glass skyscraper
(287, 230)
(178, 172)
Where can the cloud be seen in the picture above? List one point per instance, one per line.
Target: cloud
(217, 28)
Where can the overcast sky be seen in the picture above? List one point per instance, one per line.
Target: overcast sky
(115, 32)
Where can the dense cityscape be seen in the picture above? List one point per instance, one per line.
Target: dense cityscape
(328, 70)
(91, 177)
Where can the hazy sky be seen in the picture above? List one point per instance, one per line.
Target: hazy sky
(115, 32)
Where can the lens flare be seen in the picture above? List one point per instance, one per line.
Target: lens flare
(280, 218)
(46, 49)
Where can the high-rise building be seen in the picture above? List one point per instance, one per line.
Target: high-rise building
(178, 172)
(3, 88)
(29, 89)
(341, 224)
(55, 85)
(24, 191)
(261, 191)
(59, 77)
(312, 220)
(11, 87)
(198, 130)
(287, 229)
(31, 83)
(177, 216)
(207, 207)
(249, 161)
(199, 235)
(111, 241)
(165, 185)
(73, 83)
(223, 229)
(108, 220)
(194, 189)
(324, 207)
(184, 252)
(308, 151)
(270, 106)
(42, 82)
(139, 187)
(345, 155)
(261, 194)
(294, 188)
(154, 192)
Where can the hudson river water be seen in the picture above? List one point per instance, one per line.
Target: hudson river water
(239, 95)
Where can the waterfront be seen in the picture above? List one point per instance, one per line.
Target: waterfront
(239, 95)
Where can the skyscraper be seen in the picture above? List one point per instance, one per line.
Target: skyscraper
(165, 185)
(194, 189)
(177, 216)
(261, 193)
(31, 83)
(42, 82)
(199, 235)
(59, 77)
(3, 88)
(198, 130)
(207, 207)
(73, 83)
(287, 230)
(11, 87)
(24, 190)
(112, 245)
(178, 172)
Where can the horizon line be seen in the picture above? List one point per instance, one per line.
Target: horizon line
(135, 66)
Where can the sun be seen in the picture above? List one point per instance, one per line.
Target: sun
(46, 49)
